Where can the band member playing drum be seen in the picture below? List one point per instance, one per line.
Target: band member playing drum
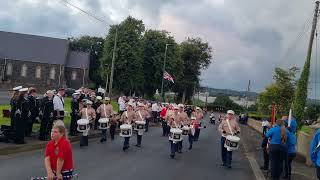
(183, 120)
(199, 116)
(87, 113)
(58, 160)
(174, 123)
(141, 115)
(229, 126)
(105, 110)
(127, 118)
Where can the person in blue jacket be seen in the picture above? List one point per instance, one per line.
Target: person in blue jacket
(293, 125)
(315, 153)
(291, 153)
(277, 149)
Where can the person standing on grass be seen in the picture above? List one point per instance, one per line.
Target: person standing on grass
(58, 154)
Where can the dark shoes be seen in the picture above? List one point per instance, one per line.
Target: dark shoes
(138, 145)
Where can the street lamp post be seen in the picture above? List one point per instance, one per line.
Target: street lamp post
(164, 67)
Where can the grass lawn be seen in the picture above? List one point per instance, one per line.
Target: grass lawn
(36, 127)
(306, 129)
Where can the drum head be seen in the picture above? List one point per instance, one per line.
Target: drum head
(83, 121)
(233, 138)
(176, 130)
(103, 120)
(140, 122)
(125, 126)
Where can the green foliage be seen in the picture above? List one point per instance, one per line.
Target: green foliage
(128, 70)
(153, 45)
(196, 55)
(311, 112)
(94, 45)
(225, 101)
(281, 92)
(301, 94)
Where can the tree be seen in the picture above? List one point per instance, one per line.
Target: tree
(301, 92)
(281, 91)
(196, 55)
(128, 69)
(94, 45)
(153, 45)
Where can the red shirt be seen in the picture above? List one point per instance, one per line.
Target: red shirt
(61, 150)
(163, 112)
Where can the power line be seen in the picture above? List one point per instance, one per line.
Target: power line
(68, 4)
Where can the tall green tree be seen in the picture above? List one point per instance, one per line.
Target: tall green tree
(94, 45)
(128, 70)
(195, 55)
(153, 45)
(281, 91)
(301, 94)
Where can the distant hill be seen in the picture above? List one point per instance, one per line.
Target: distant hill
(228, 92)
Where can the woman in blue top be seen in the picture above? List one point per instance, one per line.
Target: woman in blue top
(291, 152)
(277, 149)
(315, 153)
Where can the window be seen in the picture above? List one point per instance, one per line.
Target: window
(52, 73)
(74, 75)
(24, 70)
(38, 72)
(9, 69)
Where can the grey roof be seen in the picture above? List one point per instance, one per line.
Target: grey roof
(33, 48)
(77, 59)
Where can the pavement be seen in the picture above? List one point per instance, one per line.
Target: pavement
(151, 161)
(252, 139)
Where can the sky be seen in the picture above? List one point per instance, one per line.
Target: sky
(249, 37)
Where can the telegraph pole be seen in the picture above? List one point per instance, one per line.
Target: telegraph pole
(164, 69)
(112, 64)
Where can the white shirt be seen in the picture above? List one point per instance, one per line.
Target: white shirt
(122, 106)
(265, 123)
(58, 103)
(154, 107)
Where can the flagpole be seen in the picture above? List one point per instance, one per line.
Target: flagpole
(164, 67)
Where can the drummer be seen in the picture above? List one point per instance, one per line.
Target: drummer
(227, 127)
(199, 116)
(141, 115)
(87, 113)
(128, 117)
(183, 120)
(105, 110)
(174, 122)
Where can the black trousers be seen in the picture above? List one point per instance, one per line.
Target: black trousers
(154, 116)
(318, 172)
(139, 139)
(287, 163)
(29, 126)
(265, 158)
(73, 125)
(45, 128)
(112, 131)
(277, 157)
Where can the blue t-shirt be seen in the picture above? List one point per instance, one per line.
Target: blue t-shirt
(291, 142)
(293, 124)
(314, 150)
(275, 135)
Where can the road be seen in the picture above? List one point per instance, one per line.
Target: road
(152, 161)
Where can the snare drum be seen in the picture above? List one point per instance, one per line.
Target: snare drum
(103, 123)
(83, 125)
(140, 125)
(175, 135)
(125, 130)
(185, 130)
(232, 143)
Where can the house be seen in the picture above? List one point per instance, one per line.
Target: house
(41, 62)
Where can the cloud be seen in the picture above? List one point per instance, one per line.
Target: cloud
(249, 38)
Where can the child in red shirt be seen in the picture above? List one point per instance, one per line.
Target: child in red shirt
(58, 160)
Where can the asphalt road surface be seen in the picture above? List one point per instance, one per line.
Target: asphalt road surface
(151, 161)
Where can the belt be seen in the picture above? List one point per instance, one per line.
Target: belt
(65, 171)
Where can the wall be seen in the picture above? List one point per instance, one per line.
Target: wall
(78, 82)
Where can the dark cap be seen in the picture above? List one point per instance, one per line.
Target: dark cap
(61, 89)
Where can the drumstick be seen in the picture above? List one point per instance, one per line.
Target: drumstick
(40, 178)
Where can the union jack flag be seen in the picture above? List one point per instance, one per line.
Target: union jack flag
(168, 77)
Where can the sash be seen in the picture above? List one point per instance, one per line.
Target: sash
(104, 109)
(229, 127)
(140, 116)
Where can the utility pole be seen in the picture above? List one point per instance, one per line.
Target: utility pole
(112, 64)
(164, 69)
(248, 90)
